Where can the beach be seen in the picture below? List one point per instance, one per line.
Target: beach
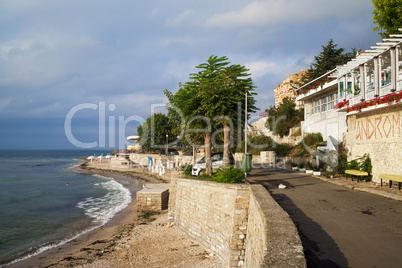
(128, 239)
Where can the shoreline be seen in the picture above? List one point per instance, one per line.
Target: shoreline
(114, 244)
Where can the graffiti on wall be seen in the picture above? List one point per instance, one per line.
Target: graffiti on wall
(379, 127)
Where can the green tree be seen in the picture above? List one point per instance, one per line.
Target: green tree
(211, 98)
(284, 117)
(387, 15)
(153, 132)
(224, 99)
(208, 81)
(328, 59)
(182, 109)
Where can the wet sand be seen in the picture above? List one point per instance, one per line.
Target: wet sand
(128, 239)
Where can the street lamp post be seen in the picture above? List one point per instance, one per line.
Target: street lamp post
(167, 144)
(245, 136)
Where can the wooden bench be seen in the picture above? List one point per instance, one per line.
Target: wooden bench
(357, 173)
(391, 178)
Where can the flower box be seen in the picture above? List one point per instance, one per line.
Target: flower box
(317, 173)
(295, 168)
(302, 169)
(309, 171)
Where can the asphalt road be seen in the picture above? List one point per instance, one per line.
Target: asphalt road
(338, 227)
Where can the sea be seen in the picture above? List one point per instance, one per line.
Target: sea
(45, 202)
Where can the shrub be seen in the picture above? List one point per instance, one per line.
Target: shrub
(353, 165)
(187, 169)
(311, 139)
(256, 144)
(361, 163)
(365, 165)
(342, 161)
(230, 174)
(282, 150)
(293, 164)
(315, 168)
(301, 165)
(309, 166)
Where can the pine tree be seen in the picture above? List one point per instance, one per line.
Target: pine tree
(328, 59)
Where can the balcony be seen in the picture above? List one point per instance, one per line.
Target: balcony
(322, 84)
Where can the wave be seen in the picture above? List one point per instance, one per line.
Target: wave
(100, 209)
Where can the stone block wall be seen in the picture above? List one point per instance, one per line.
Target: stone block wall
(119, 162)
(215, 214)
(379, 134)
(240, 223)
(272, 238)
(152, 200)
(267, 157)
(286, 89)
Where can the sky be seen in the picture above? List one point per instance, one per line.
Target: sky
(85, 74)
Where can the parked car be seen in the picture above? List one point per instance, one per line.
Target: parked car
(217, 161)
(172, 151)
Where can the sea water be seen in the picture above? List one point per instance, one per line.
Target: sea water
(44, 202)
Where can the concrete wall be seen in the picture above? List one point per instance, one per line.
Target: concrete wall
(231, 220)
(378, 133)
(178, 160)
(329, 123)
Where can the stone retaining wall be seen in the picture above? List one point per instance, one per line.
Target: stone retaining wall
(119, 162)
(178, 160)
(152, 199)
(231, 220)
(272, 238)
(379, 134)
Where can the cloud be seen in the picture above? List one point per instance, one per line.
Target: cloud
(4, 103)
(38, 62)
(180, 19)
(58, 54)
(261, 68)
(272, 12)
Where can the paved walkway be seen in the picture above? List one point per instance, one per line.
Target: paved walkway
(343, 225)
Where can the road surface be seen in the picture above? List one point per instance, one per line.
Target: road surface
(338, 227)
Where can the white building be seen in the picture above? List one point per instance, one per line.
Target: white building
(319, 97)
(359, 104)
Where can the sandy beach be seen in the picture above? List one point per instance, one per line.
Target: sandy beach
(127, 240)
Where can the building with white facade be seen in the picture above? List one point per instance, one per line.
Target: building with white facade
(359, 104)
(319, 97)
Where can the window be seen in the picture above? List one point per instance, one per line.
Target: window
(330, 101)
(349, 87)
(216, 157)
(317, 106)
(312, 107)
(341, 88)
(324, 104)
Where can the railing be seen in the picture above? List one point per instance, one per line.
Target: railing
(317, 89)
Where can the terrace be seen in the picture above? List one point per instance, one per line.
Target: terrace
(319, 85)
(372, 80)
